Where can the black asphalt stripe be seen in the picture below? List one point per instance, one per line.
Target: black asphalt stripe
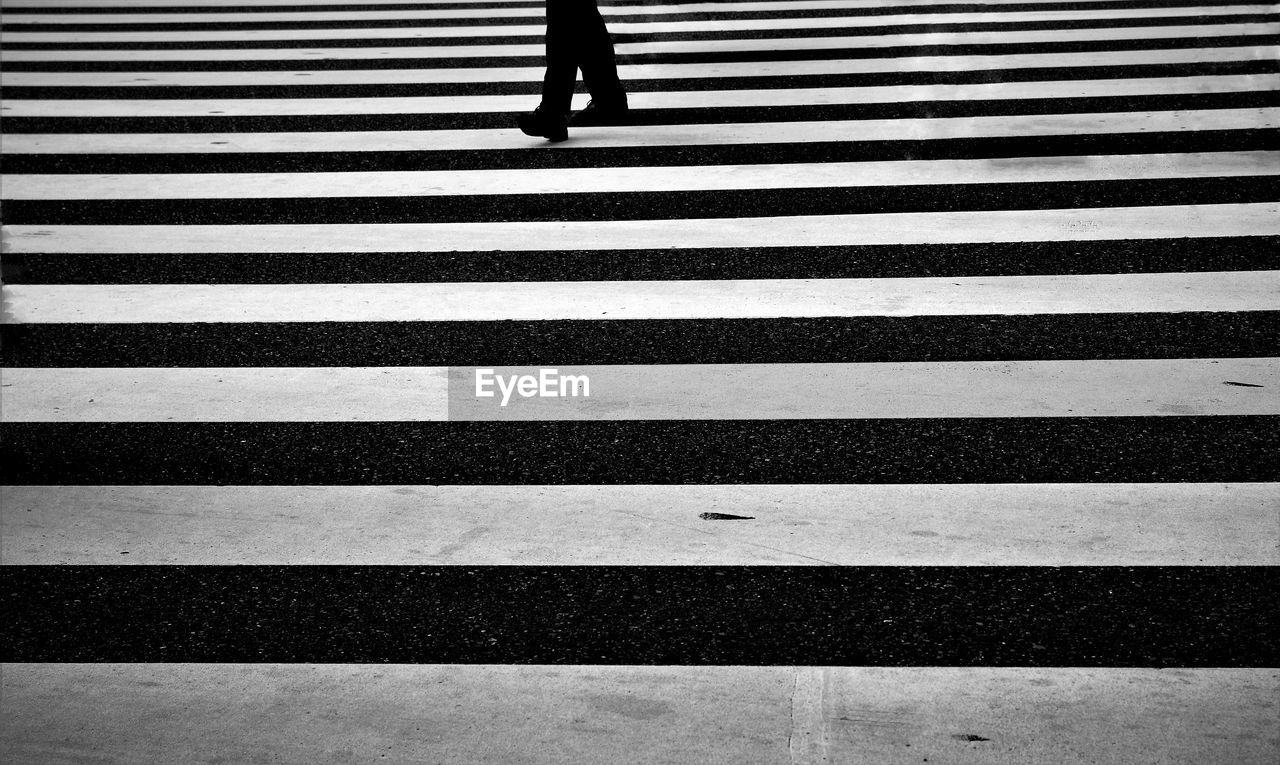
(851, 262)
(873, 451)
(1183, 335)
(650, 156)
(534, 87)
(988, 616)
(704, 57)
(642, 117)
(498, 9)
(646, 205)
(620, 38)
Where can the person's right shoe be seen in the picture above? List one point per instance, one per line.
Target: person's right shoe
(544, 124)
(602, 114)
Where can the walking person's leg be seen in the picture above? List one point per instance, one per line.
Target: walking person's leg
(576, 38)
(550, 119)
(599, 71)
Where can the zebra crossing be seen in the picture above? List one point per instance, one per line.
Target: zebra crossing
(933, 352)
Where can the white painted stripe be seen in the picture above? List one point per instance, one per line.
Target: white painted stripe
(639, 72)
(869, 525)
(653, 135)
(661, 100)
(274, 394)
(327, 185)
(1127, 388)
(686, 46)
(630, 28)
(894, 391)
(1086, 224)
(231, 16)
(588, 714)
(641, 179)
(765, 298)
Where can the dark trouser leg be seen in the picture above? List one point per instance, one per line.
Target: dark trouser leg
(562, 57)
(599, 68)
(577, 38)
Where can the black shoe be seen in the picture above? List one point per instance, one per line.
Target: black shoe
(596, 115)
(543, 124)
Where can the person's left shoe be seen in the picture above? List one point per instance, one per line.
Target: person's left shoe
(544, 124)
(603, 114)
